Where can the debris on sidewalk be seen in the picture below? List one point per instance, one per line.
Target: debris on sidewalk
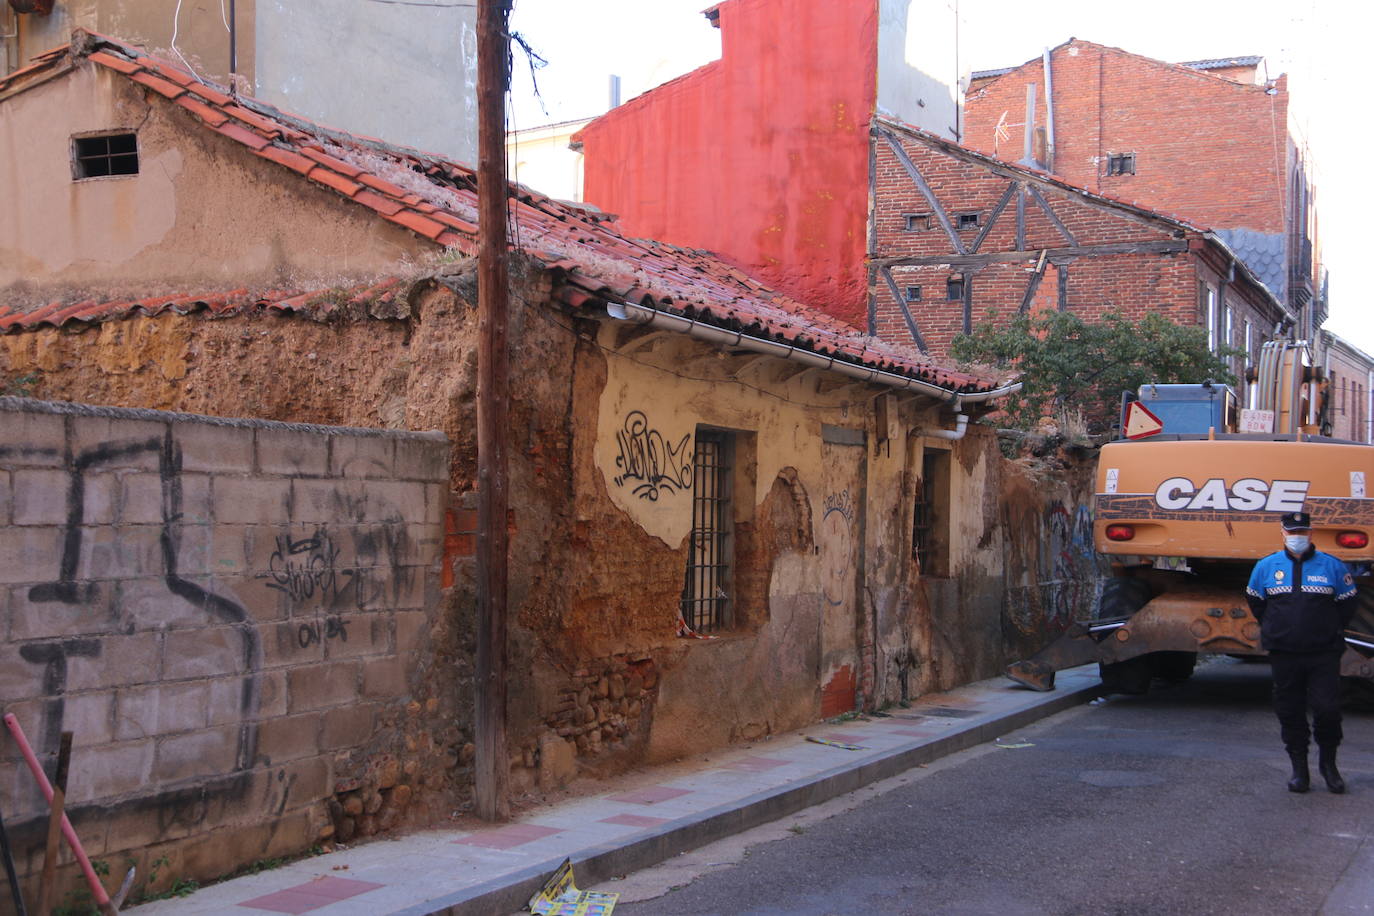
(1013, 746)
(839, 744)
(560, 897)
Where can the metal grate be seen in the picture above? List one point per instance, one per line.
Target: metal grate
(705, 601)
(110, 154)
(923, 518)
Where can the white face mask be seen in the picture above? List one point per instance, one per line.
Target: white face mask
(1296, 543)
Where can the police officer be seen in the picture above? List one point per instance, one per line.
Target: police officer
(1304, 599)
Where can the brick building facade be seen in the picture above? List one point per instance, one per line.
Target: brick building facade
(959, 237)
(1210, 142)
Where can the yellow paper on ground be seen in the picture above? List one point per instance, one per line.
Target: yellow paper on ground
(560, 897)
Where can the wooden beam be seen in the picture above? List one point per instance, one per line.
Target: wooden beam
(1063, 287)
(906, 312)
(996, 212)
(1033, 284)
(972, 261)
(924, 188)
(1021, 216)
(1054, 217)
(492, 763)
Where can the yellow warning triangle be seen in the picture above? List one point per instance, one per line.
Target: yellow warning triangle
(1140, 422)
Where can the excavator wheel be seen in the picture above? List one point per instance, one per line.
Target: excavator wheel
(1121, 597)
(1173, 667)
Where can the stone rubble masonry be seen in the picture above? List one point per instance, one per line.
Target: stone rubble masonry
(221, 612)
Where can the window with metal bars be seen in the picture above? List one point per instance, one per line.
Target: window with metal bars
(108, 154)
(707, 584)
(929, 526)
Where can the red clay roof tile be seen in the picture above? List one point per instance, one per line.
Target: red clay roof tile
(289, 159)
(242, 134)
(345, 186)
(324, 159)
(115, 63)
(212, 116)
(383, 205)
(418, 222)
(591, 260)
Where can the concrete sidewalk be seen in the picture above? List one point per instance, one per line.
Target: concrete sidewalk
(637, 820)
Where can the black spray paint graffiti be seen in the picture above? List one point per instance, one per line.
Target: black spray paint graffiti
(67, 590)
(335, 627)
(837, 538)
(304, 568)
(650, 461)
(1071, 562)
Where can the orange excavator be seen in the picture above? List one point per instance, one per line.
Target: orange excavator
(1188, 499)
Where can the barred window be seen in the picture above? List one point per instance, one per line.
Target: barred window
(1121, 164)
(108, 154)
(707, 583)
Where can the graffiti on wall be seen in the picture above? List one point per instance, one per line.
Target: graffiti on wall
(837, 535)
(67, 589)
(1069, 558)
(649, 462)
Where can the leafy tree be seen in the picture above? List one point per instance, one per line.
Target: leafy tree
(1068, 364)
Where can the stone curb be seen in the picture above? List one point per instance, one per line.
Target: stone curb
(594, 865)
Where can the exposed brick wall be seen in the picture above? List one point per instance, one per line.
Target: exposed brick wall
(1134, 284)
(224, 613)
(1208, 149)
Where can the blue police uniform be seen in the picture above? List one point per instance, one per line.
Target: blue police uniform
(1303, 603)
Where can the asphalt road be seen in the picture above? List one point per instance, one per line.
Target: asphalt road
(1170, 803)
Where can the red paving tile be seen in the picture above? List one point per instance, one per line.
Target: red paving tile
(650, 796)
(635, 820)
(508, 837)
(846, 737)
(311, 895)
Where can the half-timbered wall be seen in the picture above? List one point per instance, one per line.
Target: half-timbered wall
(958, 239)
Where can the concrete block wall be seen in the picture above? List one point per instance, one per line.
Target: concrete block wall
(223, 612)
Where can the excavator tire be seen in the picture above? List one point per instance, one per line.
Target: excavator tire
(1121, 597)
(1173, 667)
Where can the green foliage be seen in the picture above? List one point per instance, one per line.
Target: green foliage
(1069, 364)
(19, 386)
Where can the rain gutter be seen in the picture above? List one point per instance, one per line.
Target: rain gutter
(627, 311)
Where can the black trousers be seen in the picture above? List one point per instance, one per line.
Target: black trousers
(1304, 680)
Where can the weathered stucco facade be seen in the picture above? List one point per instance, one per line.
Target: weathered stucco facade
(868, 552)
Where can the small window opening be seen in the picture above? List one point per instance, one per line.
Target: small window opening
(954, 288)
(968, 220)
(109, 154)
(913, 294)
(930, 520)
(917, 222)
(707, 584)
(1121, 164)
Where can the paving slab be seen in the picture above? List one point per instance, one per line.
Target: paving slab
(633, 821)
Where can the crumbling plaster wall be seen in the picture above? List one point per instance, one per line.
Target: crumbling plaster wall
(201, 215)
(830, 609)
(236, 620)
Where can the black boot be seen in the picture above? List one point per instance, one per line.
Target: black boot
(1326, 765)
(1301, 780)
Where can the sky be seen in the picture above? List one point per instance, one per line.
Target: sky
(1323, 45)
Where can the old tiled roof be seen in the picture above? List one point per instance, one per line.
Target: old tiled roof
(374, 298)
(436, 198)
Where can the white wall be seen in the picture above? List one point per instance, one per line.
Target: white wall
(919, 65)
(405, 74)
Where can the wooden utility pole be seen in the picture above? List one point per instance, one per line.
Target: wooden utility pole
(493, 410)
